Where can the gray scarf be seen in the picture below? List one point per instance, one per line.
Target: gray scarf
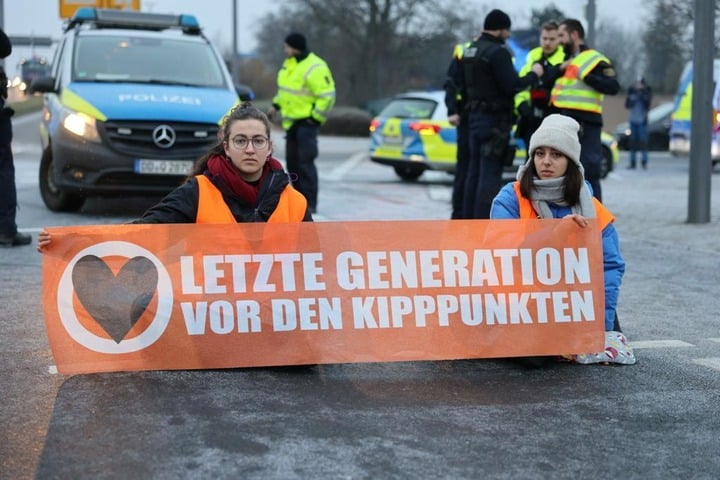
(551, 191)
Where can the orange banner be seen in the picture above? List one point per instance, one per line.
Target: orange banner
(165, 297)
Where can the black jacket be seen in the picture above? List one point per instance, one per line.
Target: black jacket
(502, 70)
(5, 45)
(181, 205)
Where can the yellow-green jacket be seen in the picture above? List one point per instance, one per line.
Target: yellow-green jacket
(534, 56)
(306, 89)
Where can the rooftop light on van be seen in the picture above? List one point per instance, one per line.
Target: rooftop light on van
(107, 18)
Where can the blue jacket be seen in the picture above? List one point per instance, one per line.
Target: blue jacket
(506, 206)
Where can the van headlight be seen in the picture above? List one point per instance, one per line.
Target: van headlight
(82, 125)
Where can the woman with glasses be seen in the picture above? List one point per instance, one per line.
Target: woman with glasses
(238, 180)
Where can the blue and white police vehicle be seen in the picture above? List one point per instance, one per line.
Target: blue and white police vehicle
(132, 101)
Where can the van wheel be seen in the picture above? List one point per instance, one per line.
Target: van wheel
(54, 198)
(408, 173)
(606, 166)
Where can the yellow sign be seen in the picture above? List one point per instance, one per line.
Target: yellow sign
(69, 7)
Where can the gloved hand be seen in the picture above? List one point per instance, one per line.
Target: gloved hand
(525, 109)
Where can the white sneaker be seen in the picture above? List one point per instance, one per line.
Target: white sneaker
(617, 350)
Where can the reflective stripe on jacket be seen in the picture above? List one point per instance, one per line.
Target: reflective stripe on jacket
(212, 207)
(306, 89)
(571, 92)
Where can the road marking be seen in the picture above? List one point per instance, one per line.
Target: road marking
(716, 340)
(713, 363)
(660, 344)
(52, 370)
(339, 172)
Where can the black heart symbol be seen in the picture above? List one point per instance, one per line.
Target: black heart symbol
(115, 302)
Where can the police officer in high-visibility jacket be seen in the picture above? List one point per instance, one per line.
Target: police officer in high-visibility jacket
(578, 92)
(533, 104)
(306, 94)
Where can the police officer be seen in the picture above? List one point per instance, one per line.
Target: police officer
(458, 116)
(578, 92)
(532, 104)
(9, 235)
(488, 83)
(306, 94)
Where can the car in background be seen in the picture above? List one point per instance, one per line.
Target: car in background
(30, 69)
(411, 134)
(658, 129)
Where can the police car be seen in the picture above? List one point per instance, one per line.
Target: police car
(412, 134)
(132, 101)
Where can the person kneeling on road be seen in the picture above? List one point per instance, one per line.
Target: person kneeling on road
(552, 185)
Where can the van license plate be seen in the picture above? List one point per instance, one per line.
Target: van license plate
(163, 167)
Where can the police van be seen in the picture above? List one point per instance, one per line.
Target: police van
(132, 101)
(681, 117)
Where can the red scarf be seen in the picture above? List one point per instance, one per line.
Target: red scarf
(221, 167)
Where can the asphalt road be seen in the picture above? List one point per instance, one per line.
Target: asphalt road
(451, 419)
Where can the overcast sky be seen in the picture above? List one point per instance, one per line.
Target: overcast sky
(41, 17)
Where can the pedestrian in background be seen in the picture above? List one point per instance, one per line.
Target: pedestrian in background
(237, 181)
(9, 235)
(488, 83)
(580, 84)
(306, 94)
(638, 100)
(552, 185)
(532, 104)
(458, 117)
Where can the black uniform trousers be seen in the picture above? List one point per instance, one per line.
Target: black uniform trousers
(484, 176)
(461, 166)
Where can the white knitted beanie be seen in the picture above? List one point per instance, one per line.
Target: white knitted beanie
(561, 133)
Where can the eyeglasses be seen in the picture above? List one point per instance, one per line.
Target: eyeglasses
(259, 142)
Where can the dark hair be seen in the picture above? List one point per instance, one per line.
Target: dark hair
(242, 111)
(573, 182)
(550, 25)
(573, 25)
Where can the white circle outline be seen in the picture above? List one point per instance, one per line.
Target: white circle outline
(84, 337)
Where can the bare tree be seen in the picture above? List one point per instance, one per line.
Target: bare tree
(624, 49)
(375, 48)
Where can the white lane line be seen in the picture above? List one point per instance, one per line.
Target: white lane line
(713, 363)
(716, 340)
(660, 344)
(339, 172)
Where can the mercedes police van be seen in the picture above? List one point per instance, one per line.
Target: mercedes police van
(132, 101)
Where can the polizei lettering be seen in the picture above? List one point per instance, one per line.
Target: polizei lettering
(152, 98)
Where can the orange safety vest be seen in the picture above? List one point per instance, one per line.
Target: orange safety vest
(527, 210)
(570, 90)
(213, 209)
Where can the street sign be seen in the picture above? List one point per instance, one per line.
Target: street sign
(69, 7)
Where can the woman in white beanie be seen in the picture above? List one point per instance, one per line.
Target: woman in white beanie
(552, 185)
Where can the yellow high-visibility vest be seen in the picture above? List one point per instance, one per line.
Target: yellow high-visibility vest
(571, 92)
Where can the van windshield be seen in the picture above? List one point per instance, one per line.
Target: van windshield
(119, 58)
